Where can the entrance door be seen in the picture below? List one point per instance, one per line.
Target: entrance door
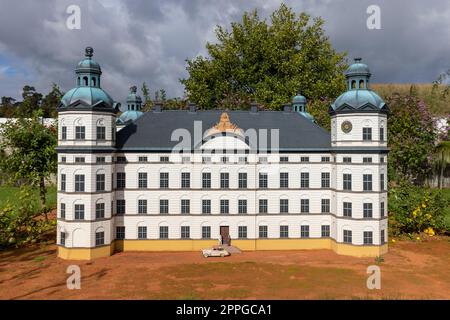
(225, 234)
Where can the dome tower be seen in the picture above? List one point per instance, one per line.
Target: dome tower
(299, 105)
(134, 105)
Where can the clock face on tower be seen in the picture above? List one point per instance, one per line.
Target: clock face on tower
(346, 126)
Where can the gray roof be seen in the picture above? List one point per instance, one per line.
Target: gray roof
(153, 130)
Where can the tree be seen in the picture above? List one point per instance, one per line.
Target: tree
(51, 101)
(31, 101)
(411, 139)
(145, 92)
(266, 62)
(31, 151)
(7, 108)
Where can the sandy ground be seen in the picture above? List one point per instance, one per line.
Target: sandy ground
(411, 270)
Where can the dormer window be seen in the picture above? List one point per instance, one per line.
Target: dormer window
(85, 81)
(361, 84)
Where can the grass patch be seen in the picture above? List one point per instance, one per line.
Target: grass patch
(11, 195)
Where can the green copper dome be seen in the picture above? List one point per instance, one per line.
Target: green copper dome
(88, 94)
(129, 116)
(299, 99)
(358, 96)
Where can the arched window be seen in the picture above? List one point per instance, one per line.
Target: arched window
(78, 81)
(361, 84)
(85, 81)
(132, 107)
(353, 84)
(94, 82)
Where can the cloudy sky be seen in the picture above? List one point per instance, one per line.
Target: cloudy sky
(149, 40)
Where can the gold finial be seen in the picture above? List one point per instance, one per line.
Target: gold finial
(224, 124)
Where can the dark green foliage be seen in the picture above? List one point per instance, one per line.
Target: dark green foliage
(266, 62)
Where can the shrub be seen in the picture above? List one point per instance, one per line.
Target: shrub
(21, 225)
(414, 209)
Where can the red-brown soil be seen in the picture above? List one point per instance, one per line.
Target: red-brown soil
(411, 270)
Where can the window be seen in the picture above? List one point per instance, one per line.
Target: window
(242, 206)
(381, 159)
(185, 180)
(79, 160)
(121, 181)
(325, 205)
(284, 205)
(367, 182)
(347, 181)
(242, 180)
(224, 206)
(120, 233)
(143, 159)
(263, 180)
(381, 134)
(368, 237)
(284, 159)
(382, 182)
(206, 206)
(325, 231)
(263, 231)
(347, 236)
(206, 159)
(63, 159)
(304, 205)
(206, 180)
(367, 210)
(100, 160)
(62, 240)
(382, 209)
(367, 134)
(347, 209)
(62, 211)
(284, 180)
(242, 232)
(79, 183)
(99, 210)
(185, 232)
(164, 232)
(243, 160)
(142, 180)
(224, 159)
(263, 159)
(64, 133)
(304, 231)
(263, 206)
(347, 159)
(100, 182)
(185, 206)
(304, 159)
(142, 206)
(164, 159)
(206, 232)
(185, 159)
(63, 182)
(284, 231)
(382, 237)
(325, 159)
(164, 180)
(142, 232)
(79, 212)
(99, 238)
(101, 133)
(224, 180)
(121, 159)
(120, 206)
(304, 180)
(367, 160)
(325, 179)
(80, 133)
(164, 206)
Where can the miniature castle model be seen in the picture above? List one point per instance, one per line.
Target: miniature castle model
(184, 180)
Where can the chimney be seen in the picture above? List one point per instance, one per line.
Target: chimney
(253, 107)
(287, 108)
(157, 107)
(192, 107)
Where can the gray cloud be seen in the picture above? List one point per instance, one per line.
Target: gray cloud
(141, 40)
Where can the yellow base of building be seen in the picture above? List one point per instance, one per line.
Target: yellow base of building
(196, 245)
